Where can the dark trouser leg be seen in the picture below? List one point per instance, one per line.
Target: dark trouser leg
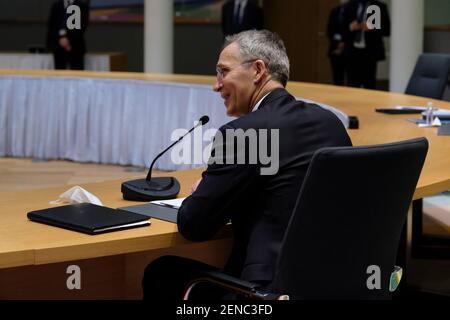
(167, 277)
(76, 61)
(370, 74)
(60, 58)
(354, 71)
(362, 70)
(338, 70)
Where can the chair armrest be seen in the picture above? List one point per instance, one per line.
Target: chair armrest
(232, 284)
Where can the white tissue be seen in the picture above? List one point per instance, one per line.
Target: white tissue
(77, 195)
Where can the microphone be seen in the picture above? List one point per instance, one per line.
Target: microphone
(159, 188)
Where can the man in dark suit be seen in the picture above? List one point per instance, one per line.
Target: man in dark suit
(68, 45)
(252, 72)
(364, 46)
(337, 45)
(240, 15)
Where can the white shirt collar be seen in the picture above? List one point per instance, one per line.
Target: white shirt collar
(259, 103)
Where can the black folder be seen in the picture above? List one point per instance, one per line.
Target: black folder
(89, 218)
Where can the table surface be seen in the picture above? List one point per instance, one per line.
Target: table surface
(23, 242)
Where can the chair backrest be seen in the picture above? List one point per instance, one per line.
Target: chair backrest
(349, 216)
(430, 76)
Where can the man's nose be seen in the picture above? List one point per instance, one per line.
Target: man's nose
(217, 86)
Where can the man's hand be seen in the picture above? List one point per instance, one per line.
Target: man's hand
(339, 51)
(365, 26)
(195, 185)
(65, 44)
(355, 26)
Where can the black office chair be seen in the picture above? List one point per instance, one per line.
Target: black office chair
(430, 76)
(429, 79)
(348, 219)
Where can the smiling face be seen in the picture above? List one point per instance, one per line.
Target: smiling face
(235, 81)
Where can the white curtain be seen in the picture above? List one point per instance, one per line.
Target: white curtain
(100, 120)
(93, 62)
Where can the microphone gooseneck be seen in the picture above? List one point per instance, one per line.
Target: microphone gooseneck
(156, 188)
(202, 121)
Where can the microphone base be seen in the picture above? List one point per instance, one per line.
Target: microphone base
(158, 188)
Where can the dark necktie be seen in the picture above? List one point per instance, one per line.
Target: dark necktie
(236, 22)
(361, 17)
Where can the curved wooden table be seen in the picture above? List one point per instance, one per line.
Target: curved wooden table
(34, 257)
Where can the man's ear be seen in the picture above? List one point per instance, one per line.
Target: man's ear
(261, 70)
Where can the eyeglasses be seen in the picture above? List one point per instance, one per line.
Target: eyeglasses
(221, 73)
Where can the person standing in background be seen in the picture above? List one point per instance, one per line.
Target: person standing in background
(241, 15)
(364, 46)
(68, 45)
(337, 45)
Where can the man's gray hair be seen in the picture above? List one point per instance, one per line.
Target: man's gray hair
(264, 45)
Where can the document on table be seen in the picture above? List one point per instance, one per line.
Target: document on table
(171, 203)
